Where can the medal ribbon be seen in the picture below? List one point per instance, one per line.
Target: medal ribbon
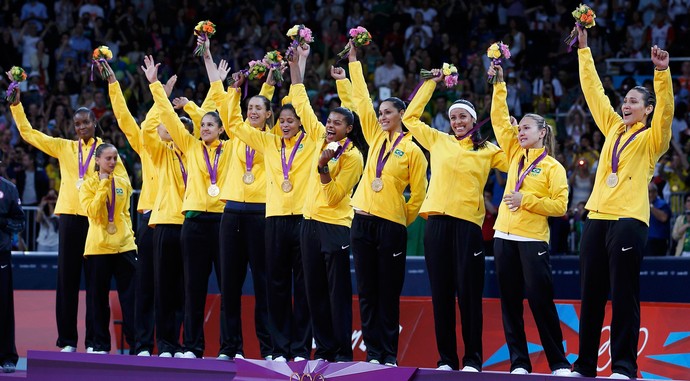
(182, 168)
(83, 167)
(615, 156)
(249, 156)
(287, 165)
(474, 129)
(383, 159)
(523, 175)
(213, 172)
(110, 204)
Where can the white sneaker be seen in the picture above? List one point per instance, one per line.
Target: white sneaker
(188, 355)
(178, 355)
(89, 350)
(444, 367)
(565, 372)
(99, 352)
(223, 357)
(269, 358)
(68, 348)
(468, 368)
(391, 364)
(279, 359)
(299, 358)
(576, 374)
(165, 354)
(519, 371)
(374, 361)
(144, 354)
(239, 356)
(619, 376)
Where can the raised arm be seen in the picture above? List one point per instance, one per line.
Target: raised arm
(253, 137)
(663, 111)
(361, 99)
(344, 87)
(425, 135)
(599, 104)
(124, 118)
(418, 183)
(167, 114)
(505, 132)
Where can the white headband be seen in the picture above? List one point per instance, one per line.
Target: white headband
(463, 106)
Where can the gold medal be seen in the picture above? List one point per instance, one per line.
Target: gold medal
(213, 190)
(248, 178)
(111, 228)
(377, 184)
(286, 186)
(612, 180)
(80, 182)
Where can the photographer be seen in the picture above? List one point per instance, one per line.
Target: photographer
(659, 224)
(48, 237)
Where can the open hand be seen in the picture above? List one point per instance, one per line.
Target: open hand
(150, 69)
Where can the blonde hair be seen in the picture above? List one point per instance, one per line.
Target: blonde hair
(549, 138)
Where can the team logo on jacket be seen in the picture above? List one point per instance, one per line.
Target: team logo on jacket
(119, 191)
(398, 153)
(535, 172)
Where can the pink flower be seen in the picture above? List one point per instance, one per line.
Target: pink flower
(305, 33)
(451, 80)
(505, 50)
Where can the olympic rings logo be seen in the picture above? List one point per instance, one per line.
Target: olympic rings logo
(306, 377)
(606, 345)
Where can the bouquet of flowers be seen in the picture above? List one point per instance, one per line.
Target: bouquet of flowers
(360, 37)
(497, 51)
(584, 18)
(257, 70)
(101, 54)
(300, 35)
(449, 71)
(18, 75)
(274, 60)
(204, 29)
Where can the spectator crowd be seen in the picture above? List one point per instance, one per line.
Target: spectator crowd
(53, 42)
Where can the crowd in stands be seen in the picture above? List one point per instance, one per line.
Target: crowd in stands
(53, 42)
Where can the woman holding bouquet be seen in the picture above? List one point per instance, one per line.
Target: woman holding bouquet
(243, 226)
(76, 160)
(379, 227)
(110, 250)
(453, 236)
(207, 161)
(288, 154)
(615, 232)
(536, 188)
(325, 235)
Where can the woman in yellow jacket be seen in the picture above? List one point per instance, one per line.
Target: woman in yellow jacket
(207, 160)
(288, 153)
(110, 250)
(144, 284)
(379, 227)
(536, 188)
(76, 160)
(325, 236)
(242, 228)
(166, 220)
(453, 243)
(615, 233)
